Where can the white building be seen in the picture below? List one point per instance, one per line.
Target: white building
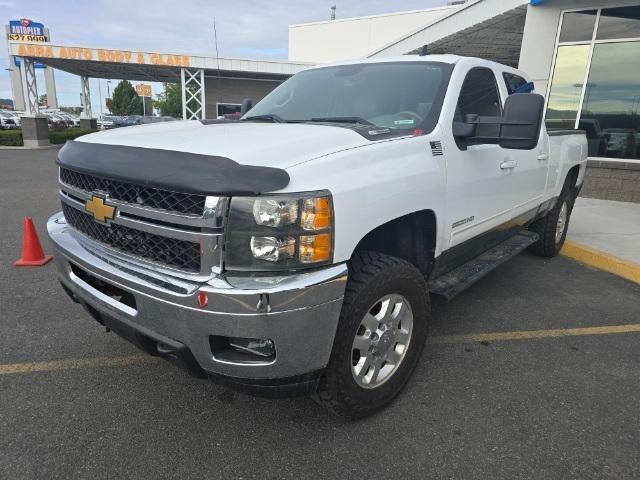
(351, 38)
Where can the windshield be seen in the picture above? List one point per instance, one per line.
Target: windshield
(395, 95)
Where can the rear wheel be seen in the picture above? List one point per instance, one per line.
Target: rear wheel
(380, 336)
(552, 228)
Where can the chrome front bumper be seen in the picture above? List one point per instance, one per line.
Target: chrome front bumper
(298, 312)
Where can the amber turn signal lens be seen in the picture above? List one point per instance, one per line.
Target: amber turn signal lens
(315, 248)
(316, 213)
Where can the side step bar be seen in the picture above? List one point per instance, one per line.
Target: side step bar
(459, 279)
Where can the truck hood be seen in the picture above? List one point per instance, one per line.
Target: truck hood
(278, 145)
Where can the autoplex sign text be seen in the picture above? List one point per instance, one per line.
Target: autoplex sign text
(101, 55)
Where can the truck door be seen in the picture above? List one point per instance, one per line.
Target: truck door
(528, 176)
(480, 191)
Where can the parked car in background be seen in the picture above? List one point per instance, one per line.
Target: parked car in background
(71, 120)
(157, 119)
(107, 121)
(8, 121)
(56, 121)
(127, 120)
(15, 115)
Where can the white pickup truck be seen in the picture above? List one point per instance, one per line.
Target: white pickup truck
(295, 250)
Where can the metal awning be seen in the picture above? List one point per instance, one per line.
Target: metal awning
(490, 29)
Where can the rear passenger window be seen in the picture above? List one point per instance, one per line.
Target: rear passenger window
(513, 82)
(480, 96)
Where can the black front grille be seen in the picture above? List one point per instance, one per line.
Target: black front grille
(169, 251)
(184, 203)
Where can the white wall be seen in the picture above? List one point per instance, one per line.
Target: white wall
(350, 38)
(540, 32)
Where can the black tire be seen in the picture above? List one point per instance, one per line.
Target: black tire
(372, 276)
(549, 245)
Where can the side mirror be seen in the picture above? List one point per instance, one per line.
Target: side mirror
(522, 121)
(247, 104)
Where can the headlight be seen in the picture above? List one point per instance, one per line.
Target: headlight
(279, 232)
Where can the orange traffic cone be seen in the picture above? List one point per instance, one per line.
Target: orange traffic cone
(32, 254)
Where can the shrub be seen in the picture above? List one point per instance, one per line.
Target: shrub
(11, 138)
(62, 136)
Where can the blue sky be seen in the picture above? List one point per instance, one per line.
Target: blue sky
(246, 28)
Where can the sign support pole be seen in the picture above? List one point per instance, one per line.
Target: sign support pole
(29, 86)
(86, 97)
(192, 94)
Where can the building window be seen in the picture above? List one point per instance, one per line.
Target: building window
(612, 101)
(566, 86)
(578, 26)
(595, 84)
(623, 22)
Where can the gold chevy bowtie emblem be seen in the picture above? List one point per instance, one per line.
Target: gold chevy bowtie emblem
(100, 211)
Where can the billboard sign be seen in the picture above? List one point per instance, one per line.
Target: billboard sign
(143, 89)
(26, 30)
(99, 55)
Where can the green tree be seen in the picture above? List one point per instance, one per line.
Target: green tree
(72, 110)
(125, 100)
(169, 102)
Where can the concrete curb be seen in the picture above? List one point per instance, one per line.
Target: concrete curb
(602, 261)
(43, 147)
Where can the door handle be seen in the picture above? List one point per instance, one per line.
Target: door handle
(543, 156)
(508, 164)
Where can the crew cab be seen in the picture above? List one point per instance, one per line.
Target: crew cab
(294, 250)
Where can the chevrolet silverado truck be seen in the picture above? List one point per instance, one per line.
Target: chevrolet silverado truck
(294, 250)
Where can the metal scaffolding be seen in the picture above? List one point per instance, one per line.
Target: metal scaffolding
(193, 106)
(29, 86)
(85, 97)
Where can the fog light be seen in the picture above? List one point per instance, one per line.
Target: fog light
(262, 347)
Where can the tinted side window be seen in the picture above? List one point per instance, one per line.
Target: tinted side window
(513, 82)
(480, 96)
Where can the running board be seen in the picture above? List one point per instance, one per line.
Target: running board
(459, 279)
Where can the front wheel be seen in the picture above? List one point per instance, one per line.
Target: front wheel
(380, 336)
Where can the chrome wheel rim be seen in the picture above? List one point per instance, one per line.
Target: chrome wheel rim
(562, 222)
(381, 341)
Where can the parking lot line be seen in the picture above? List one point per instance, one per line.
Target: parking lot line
(533, 334)
(79, 363)
(74, 363)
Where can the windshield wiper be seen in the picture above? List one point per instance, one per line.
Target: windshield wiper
(359, 120)
(270, 117)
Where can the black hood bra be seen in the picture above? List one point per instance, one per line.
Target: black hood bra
(171, 170)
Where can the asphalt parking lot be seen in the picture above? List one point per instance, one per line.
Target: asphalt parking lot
(561, 400)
